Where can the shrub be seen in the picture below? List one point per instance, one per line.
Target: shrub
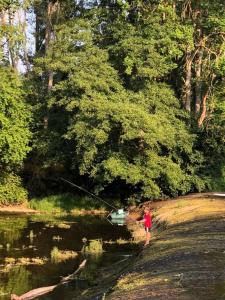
(11, 190)
(64, 203)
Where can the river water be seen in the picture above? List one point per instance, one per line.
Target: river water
(23, 239)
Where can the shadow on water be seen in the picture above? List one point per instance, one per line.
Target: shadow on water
(24, 239)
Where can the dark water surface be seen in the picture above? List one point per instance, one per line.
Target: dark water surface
(35, 236)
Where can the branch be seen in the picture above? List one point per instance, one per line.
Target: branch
(204, 108)
(47, 289)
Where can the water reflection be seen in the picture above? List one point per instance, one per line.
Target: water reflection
(29, 239)
(16, 281)
(11, 229)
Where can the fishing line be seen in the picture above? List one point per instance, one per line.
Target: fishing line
(84, 190)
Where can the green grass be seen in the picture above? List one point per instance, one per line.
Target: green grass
(94, 247)
(59, 255)
(65, 203)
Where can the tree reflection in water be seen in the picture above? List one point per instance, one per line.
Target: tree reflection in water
(14, 282)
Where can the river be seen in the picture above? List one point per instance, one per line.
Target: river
(28, 242)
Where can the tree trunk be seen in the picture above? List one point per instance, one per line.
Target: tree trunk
(5, 40)
(198, 86)
(52, 8)
(38, 25)
(24, 27)
(12, 54)
(48, 28)
(204, 101)
(203, 114)
(187, 81)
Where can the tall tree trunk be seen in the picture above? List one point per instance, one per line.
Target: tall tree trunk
(12, 54)
(48, 33)
(25, 50)
(198, 85)
(204, 102)
(204, 110)
(52, 8)
(5, 41)
(187, 81)
(48, 28)
(38, 24)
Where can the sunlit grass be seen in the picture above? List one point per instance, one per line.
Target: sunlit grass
(59, 255)
(132, 281)
(63, 226)
(120, 241)
(21, 261)
(66, 203)
(94, 246)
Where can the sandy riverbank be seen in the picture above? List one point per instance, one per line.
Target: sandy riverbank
(17, 209)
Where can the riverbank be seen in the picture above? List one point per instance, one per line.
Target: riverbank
(23, 209)
(184, 261)
(61, 204)
(18, 209)
(68, 204)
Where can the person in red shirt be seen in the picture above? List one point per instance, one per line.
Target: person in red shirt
(147, 221)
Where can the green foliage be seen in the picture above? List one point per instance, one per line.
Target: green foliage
(150, 48)
(217, 180)
(4, 4)
(63, 203)
(14, 121)
(11, 190)
(213, 141)
(94, 247)
(114, 111)
(137, 137)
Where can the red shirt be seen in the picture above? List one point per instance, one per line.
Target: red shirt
(148, 220)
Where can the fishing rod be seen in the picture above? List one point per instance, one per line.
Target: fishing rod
(84, 190)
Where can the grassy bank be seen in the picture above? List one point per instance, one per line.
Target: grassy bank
(184, 261)
(67, 203)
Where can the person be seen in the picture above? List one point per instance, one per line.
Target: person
(147, 221)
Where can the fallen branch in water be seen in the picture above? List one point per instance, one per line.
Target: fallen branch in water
(34, 293)
(47, 289)
(71, 276)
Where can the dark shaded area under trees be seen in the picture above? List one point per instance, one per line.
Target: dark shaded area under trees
(124, 97)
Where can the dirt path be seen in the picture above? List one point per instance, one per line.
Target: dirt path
(184, 262)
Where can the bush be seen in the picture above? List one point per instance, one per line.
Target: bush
(11, 190)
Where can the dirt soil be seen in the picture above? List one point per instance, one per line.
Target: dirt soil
(186, 260)
(17, 209)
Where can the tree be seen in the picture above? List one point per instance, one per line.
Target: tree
(14, 121)
(118, 88)
(136, 136)
(200, 76)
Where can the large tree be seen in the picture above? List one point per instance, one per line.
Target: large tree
(134, 135)
(118, 87)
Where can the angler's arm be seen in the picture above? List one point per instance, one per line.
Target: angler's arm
(141, 221)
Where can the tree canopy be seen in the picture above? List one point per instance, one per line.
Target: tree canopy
(124, 95)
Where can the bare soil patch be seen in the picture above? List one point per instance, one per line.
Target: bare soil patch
(23, 209)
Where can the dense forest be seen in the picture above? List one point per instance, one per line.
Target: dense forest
(124, 97)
